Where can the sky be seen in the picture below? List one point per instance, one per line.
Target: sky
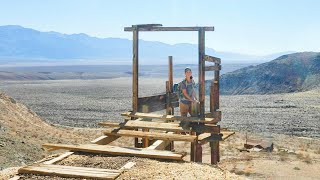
(255, 27)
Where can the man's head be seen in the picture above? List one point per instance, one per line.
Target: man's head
(187, 72)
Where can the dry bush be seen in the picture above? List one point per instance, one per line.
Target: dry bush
(296, 168)
(317, 151)
(307, 159)
(283, 156)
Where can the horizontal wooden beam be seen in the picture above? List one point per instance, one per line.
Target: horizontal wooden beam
(121, 151)
(175, 127)
(59, 158)
(151, 135)
(103, 140)
(205, 128)
(213, 68)
(207, 137)
(70, 171)
(159, 28)
(170, 117)
(212, 59)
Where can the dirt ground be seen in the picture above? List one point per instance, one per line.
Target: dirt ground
(290, 121)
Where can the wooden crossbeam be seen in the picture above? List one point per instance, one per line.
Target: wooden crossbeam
(213, 68)
(170, 117)
(151, 135)
(120, 151)
(70, 171)
(212, 59)
(205, 128)
(207, 137)
(159, 28)
(147, 125)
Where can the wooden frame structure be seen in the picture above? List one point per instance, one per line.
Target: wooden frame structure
(170, 100)
(155, 136)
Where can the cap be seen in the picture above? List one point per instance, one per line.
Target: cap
(187, 69)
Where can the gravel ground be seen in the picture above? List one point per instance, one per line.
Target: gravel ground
(83, 103)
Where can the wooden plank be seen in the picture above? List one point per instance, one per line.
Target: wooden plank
(155, 103)
(120, 151)
(160, 144)
(205, 128)
(205, 137)
(170, 117)
(151, 135)
(103, 140)
(213, 68)
(15, 178)
(212, 59)
(157, 28)
(156, 125)
(148, 125)
(59, 158)
(69, 171)
(127, 166)
(135, 69)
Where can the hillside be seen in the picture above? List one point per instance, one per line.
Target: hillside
(288, 73)
(22, 133)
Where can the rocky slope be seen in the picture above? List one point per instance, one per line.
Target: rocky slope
(288, 73)
(22, 132)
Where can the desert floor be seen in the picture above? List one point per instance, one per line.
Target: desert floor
(290, 121)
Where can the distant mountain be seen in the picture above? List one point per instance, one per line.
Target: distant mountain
(21, 44)
(288, 73)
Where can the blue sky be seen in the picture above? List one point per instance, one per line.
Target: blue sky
(256, 27)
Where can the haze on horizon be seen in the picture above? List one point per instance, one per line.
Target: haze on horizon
(247, 27)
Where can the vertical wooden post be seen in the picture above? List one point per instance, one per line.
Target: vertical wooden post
(201, 72)
(217, 89)
(170, 75)
(214, 152)
(135, 72)
(192, 148)
(198, 152)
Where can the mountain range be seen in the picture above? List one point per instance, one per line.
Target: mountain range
(28, 45)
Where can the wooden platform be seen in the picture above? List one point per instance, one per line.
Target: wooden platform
(151, 135)
(70, 171)
(119, 151)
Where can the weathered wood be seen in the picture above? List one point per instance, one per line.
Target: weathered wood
(213, 68)
(205, 128)
(135, 69)
(168, 102)
(145, 141)
(160, 144)
(59, 158)
(121, 151)
(151, 135)
(70, 171)
(170, 73)
(212, 59)
(207, 137)
(175, 127)
(15, 178)
(198, 152)
(201, 72)
(156, 102)
(215, 114)
(157, 28)
(103, 140)
(170, 117)
(127, 166)
(214, 151)
(217, 89)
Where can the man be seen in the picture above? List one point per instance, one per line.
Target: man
(187, 97)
